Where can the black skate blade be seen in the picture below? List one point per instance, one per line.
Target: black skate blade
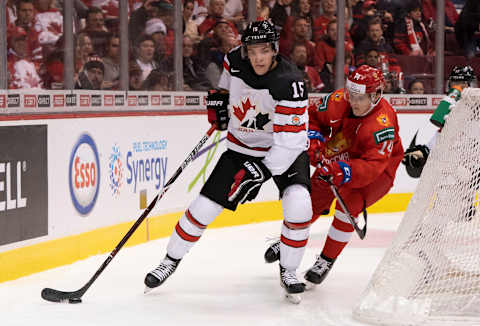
(53, 295)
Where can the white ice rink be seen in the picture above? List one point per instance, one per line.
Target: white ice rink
(223, 280)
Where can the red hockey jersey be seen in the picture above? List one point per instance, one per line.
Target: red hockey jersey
(371, 144)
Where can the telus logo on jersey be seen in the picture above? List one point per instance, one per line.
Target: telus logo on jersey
(146, 163)
(23, 183)
(84, 174)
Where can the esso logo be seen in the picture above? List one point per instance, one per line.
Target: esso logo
(84, 174)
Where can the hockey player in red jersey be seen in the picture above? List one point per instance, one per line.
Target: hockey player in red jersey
(266, 123)
(354, 142)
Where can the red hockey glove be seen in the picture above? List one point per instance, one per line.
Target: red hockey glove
(217, 108)
(337, 173)
(247, 181)
(317, 146)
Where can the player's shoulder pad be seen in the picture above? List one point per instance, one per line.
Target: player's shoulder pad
(287, 83)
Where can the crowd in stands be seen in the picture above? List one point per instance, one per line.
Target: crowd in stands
(381, 33)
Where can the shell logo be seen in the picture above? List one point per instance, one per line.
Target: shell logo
(84, 174)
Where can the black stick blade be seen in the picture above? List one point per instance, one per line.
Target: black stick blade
(61, 296)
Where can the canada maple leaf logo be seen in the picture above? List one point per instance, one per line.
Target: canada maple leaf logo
(54, 28)
(240, 113)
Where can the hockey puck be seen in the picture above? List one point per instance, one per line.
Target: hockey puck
(74, 300)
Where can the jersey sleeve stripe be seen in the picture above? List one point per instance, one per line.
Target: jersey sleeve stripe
(288, 110)
(293, 243)
(184, 235)
(194, 220)
(234, 140)
(296, 226)
(289, 128)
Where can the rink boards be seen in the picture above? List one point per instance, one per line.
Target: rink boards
(72, 184)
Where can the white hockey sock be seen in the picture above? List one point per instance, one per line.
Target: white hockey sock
(190, 227)
(297, 214)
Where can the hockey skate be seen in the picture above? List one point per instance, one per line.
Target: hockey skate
(318, 272)
(272, 253)
(293, 287)
(160, 274)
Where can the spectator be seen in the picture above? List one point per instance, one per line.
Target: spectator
(279, 13)
(226, 41)
(359, 27)
(22, 71)
(111, 63)
(376, 40)
(26, 19)
(190, 28)
(48, 22)
(411, 37)
(83, 49)
(53, 79)
(325, 49)
(91, 76)
(144, 51)
(416, 87)
(301, 31)
(134, 76)
(215, 13)
(96, 30)
(429, 11)
(312, 79)
(320, 23)
(157, 30)
(11, 12)
(158, 81)
(149, 9)
(467, 28)
(193, 77)
(372, 58)
(208, 47)
(263, 11)
(302, 11)
(165, 13)
(233, 12)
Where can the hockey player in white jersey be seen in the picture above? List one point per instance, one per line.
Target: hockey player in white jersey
(266, 122)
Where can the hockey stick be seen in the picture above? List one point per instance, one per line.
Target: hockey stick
(75, 296)
(361, 232)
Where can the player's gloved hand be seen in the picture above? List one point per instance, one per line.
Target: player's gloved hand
(416, 156)
(217, 108)
(337, 173)
(316, 148)
(247, 181)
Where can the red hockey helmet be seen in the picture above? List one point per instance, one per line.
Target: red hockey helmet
(365, 80)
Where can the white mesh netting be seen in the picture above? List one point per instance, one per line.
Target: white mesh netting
(430, 275)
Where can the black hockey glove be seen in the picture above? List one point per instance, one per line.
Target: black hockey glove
(414, 159)
(217, 108)
(247, 181)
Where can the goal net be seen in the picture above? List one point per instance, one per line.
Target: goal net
(430, 275)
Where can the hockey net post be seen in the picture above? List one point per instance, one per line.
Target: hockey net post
(430, 274)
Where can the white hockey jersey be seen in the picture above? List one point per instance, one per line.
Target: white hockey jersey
(268, 114)
(49, 25)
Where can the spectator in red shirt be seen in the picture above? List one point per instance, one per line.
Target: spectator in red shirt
(312, 78)
(26, 20)
(320, 23)
(411, 37)
(21, 71)
(429, 11)
(48, 22)
(215, 13)
(301, 31)
(326, 47)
